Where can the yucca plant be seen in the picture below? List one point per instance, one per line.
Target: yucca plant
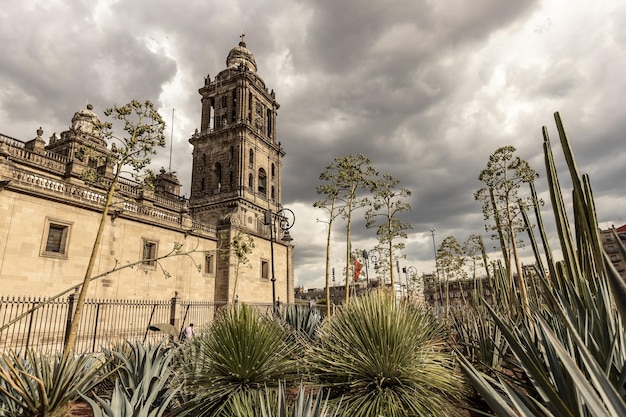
(243, 353)
(571, 352)
(39, 384)
(384, 358)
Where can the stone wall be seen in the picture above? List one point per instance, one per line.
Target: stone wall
(25, 269)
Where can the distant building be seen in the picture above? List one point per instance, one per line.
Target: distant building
(461, 292)
(49, 215)
(337, 293)
(611, 239)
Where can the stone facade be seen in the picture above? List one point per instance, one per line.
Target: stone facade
(611, 239)
(50, 215)
(236, 176)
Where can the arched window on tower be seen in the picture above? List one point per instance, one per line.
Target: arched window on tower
(230, 180)
(251, 159)
(249, 107)
(262, 181)
(273, 195)
(218, 176)
(202, 184)
(203, 159)
(251, 182)
(273, 171)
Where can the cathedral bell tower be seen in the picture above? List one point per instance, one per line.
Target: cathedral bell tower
(236, 159)
(236, 173)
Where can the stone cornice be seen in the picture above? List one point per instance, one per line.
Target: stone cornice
(39, 185)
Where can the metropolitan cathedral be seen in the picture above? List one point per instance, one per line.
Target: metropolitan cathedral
(50, 215)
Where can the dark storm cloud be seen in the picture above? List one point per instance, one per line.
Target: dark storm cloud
(57, 64)
(342, 33)
(426, 90)
(377, 84)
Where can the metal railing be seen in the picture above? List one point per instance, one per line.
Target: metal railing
(104, 323)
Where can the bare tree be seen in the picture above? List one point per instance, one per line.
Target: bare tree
(474, 251)
(450, 263)
(343, 179)
(237, 253)
(144, 129)
(387, 204)
(504, 175)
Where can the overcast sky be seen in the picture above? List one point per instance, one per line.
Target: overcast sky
(425, 89)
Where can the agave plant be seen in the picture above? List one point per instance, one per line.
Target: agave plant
(146, 400)
(568, 357)
(478, 338)
(275, 404)
(136, 363)
(303, 320)
(144, 382)
(38, 384)
(243, 353)
(386, 359)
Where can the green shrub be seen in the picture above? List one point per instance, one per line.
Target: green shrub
(306, 404)
(384, 358)
(243, 353)
(567, 358)
(39, 384)
(143, 382)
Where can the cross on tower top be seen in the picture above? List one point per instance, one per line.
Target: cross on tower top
(242, 36)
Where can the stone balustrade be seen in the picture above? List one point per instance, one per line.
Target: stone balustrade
(203, 227)
(24, 179)
(56, 164)
(11, 141)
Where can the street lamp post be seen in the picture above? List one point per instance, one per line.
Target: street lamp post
(285, 219)
(432, 232)
(409, 272)
(374, 255)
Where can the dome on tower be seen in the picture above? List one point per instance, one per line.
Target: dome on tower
(85, 120)
(241, 55)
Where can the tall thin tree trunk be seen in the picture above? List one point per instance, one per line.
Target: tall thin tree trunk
(348, 250)
(330, 224)
(447, 298)
(520, 277)
(80, 303)
(503, 245)
(393, 287)
(484, 254)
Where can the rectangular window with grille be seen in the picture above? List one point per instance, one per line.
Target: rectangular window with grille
(56, 237)
(149, 252)
(208, 264)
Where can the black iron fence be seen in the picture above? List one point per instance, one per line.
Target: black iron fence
(104, 323)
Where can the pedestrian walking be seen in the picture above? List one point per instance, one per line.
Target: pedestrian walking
(189, 333)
